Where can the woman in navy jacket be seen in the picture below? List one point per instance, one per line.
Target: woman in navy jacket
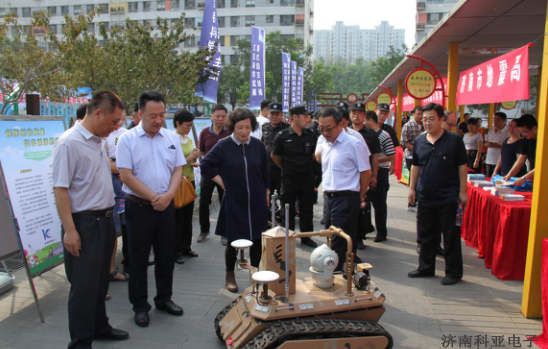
(239, 165)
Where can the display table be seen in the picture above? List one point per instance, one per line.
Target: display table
(499, 230)
(542, 340)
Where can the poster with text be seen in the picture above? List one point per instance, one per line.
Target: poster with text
(26, 149)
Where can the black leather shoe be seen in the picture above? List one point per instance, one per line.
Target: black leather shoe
(419, 274)
(113, 335)
(170, 308)
(446, 281)
(361, 245)
(141, 319)
(380, 238)
(309, 242)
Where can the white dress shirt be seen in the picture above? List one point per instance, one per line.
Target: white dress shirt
(351, 132)
(152, 160)
(112, 141)
(342, 162)
(493, 154)
(258, 133)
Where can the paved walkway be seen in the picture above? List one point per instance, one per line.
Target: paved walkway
(419, 312)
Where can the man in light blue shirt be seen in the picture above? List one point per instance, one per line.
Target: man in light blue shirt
(151, 162)
(346, 176)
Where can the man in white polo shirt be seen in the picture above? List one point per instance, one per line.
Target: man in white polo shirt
(150, 161)
(346, 176)
(493, 142)
(84, 198)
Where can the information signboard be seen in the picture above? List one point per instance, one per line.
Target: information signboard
(26, 149)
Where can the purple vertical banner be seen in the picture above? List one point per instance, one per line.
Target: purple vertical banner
(300, 87)
(286, 80)
(256, 73)
(293, 83)
(210, 38)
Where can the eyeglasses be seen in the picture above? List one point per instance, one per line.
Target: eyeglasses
(451, 124)
(326, 130)
(188, 124)
(429, 121)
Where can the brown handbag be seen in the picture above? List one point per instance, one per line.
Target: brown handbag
(185, 193)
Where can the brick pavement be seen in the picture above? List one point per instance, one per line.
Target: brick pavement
(419, 311)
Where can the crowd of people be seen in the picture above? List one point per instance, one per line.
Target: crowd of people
(112, 181)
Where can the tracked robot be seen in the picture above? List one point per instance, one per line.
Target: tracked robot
(327, 310)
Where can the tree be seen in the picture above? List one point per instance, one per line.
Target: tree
(275, 45)
(364, 76)
(132, 58)
(234, 79)
(27, 65)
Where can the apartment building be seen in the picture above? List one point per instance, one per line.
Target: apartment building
(351, 42)
(293, 18)
(429, 13)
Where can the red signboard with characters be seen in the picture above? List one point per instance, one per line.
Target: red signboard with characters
(505, 78)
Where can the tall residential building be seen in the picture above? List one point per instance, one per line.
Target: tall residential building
(293, 18)
(351, 42)
(429, 13)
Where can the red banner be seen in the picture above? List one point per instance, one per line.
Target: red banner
(437, 96)
(408, 102)
(502, 79)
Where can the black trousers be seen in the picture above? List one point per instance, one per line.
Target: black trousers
(433, 220)
(183, 228)
(489, 169)
(125, 249)
(304, 192)
(231, 254)
(206, 192)
(472, 159)
(342, 212)
(378, 197)
(275, 179)
(88, 275)
(150, 228)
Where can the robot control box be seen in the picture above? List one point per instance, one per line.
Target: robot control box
(273, 259)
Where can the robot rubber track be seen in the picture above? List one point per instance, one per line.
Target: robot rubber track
(310, 329)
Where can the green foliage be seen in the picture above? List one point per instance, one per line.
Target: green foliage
(234, 79)
(126, 59)
(26, 65)
(131, 59)
(364, 76)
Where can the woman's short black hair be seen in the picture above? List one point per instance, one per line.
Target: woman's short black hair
(182, 115)
(240, 114)
(472, 121)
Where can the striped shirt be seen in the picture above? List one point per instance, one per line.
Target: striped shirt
(387, 147)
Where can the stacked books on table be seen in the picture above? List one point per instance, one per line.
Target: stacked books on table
(497, 191)
(512, 197)
(476, 177)
(481, 183)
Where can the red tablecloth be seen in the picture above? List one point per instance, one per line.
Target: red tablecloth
(542, 340)
(399, 162)
(499, 230)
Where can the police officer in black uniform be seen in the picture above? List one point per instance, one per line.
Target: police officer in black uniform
(270, 131)
(293, 152)
(357, 116)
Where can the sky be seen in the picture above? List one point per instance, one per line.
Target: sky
(367, 14)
